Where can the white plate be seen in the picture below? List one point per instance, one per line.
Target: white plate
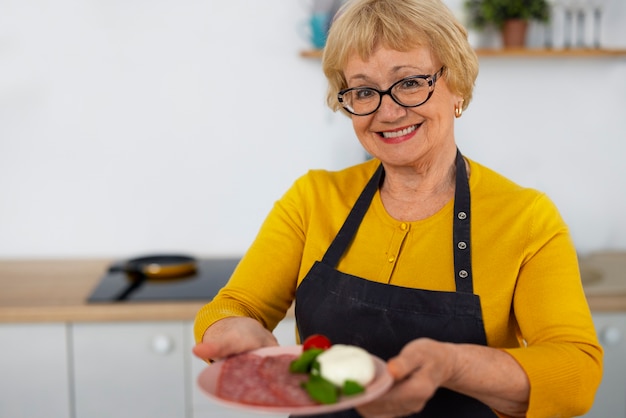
(207, 381)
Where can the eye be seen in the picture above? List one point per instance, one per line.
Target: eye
(364, 94)
(412, 84)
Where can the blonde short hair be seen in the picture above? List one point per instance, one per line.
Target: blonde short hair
(363, 25)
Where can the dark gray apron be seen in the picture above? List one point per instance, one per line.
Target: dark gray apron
(383, 318)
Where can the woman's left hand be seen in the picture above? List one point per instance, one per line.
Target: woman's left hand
(419, 370)
(488, 374)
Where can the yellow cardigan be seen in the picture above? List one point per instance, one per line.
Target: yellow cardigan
(525, 271)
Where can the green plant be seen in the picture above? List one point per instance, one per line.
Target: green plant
(482, 13)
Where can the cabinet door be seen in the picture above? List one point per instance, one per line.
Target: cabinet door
(611, 397)
(129, 370)
(203, 407)
(33, 371)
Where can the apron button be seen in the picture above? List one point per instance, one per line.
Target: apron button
(463, 274)
(462, 245)
(462, 215)
(392, 259)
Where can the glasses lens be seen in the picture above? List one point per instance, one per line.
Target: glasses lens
(411, 91)
(361, 101)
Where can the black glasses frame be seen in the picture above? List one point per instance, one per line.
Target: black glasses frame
(431, 79)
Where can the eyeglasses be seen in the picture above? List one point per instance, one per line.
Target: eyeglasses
(411, 91)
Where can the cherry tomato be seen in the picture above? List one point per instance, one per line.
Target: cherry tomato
(316, 341)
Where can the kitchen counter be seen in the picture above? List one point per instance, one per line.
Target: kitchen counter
(57, 291)
(604, 278)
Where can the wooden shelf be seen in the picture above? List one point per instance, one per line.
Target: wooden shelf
(523, 53)
(552, 53)
(311, 53)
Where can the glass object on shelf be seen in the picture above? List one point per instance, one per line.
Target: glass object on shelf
(582, 23)
(581, 15)
(568, 23)
(597, 11)
(556, 30)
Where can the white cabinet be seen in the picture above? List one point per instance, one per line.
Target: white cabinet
(130, 370)
(108, 369)
(203, 407)
(144, 369)
(34, 371)
(611, 397)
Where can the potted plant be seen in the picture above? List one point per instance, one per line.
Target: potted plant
(509, 16)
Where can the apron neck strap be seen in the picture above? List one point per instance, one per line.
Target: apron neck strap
(351, 225)
(461, 229)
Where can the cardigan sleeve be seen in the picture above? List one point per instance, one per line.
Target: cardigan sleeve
(560, 352)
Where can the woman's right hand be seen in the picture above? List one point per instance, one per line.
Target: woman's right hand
(233, 335)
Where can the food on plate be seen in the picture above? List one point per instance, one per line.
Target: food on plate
(341, 363)
(333, 370)
(320, 375)
(262, 380)
(316, 341)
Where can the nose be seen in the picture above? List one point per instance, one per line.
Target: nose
(389, 109)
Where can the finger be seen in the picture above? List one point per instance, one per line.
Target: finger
(203, 351)
(412, 358)
(217, 351)
(218, 348)
(407, 396)
(233, 335)
(383, 407)
(399, 368)
(398, 402)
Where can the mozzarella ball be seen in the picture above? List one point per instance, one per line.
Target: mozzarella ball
(346, 362)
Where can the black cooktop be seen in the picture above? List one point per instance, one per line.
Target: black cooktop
(210, 276)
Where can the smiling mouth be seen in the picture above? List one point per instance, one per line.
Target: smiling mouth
(399, 133)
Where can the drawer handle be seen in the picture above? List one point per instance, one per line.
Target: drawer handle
(162, 344)
(611, 336)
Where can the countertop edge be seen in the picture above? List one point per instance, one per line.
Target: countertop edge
(101, 313)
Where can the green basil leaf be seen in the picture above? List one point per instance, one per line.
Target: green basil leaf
(303, 363)
(321, 390)
(315, 367)
(350, 387)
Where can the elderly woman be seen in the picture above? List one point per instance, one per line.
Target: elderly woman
(466, 283)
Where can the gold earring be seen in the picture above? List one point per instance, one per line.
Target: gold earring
(458, 109)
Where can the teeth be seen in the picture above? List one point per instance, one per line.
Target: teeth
(402, 132)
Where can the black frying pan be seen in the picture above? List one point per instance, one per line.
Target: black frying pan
(154, 267)
(158, 266)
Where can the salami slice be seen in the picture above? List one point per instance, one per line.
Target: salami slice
(281, 382)
(240, 381)
(264, 381)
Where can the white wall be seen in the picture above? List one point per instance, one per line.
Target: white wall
(135, 126)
